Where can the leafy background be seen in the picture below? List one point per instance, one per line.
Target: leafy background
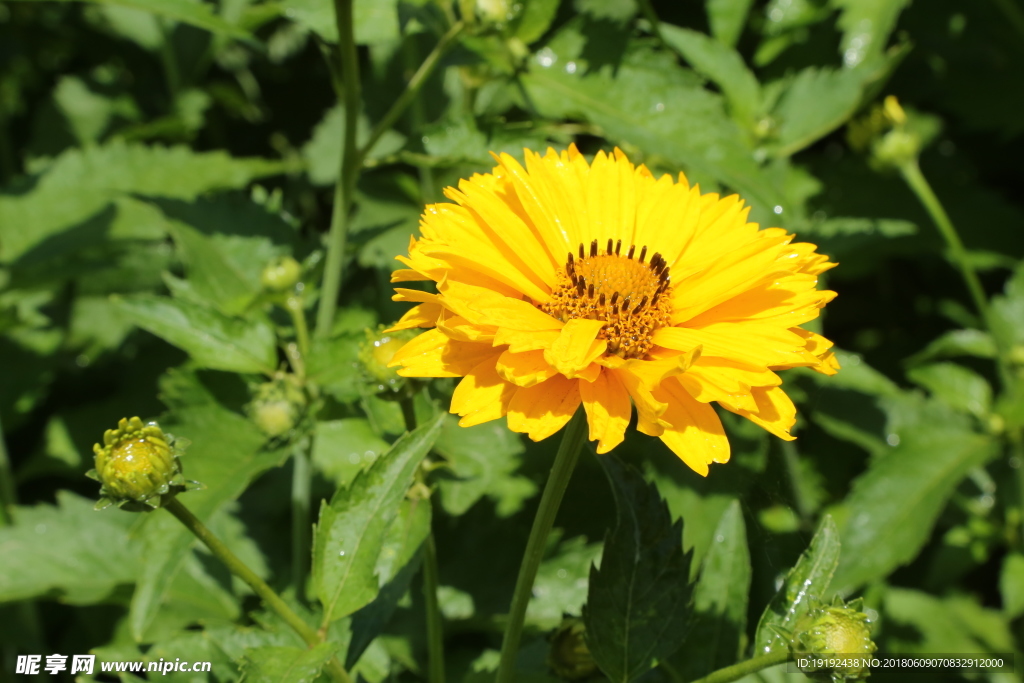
(155, 155)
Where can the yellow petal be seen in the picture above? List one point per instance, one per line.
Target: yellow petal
(524, 369)
(775, 411)
(652, 372)
(520, 340)
(424, 315)
(458, 328)
(648, 409)
(482, 395)
(541, 410)
(576, 347)
(608, 409)
(694, 432)
(432, 354)
(758, 344)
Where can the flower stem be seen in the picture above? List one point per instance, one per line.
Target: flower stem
(741, 669)
(295, 307)
(259, 586)
(7, 495)
(911, 173)
(411, 89)
(435, 628)
(431, 580)
(561, 471)
(302, 478)
(348, 171)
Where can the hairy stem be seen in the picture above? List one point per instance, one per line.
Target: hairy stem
(348, 172)
(561, 471)
(741, 669)
(258, 585)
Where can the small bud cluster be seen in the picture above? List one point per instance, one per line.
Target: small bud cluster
(569, 656)
(885, 133)
(840, 631)
(277, 405)
(374, 355)
(138, 466)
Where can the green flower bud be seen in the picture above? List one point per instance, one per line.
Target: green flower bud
(375, 354)
(277, 405)
(569, 656)
(281, 274)
(138, 466)
(887, 133)
(838, 631)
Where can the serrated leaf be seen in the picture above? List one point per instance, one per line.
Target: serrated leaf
(651, 102)
(344, 448)
(353, 527)
(69, 552)
(210, 273)
(212, 339)
(894, 505)
(561, 584)
(719, 601)
(930, 624)
(814, 104)
(534, 19)
(722, 65)
(866, 25)
(957, 343)
(226, 453)
(270, 664)
(198, 14)
(375, 21)
(322, 153)
(81, 183)
(483, 460)
(638, 606)
(960, 387)
(334, 364)
(727, 18)
(809, 578)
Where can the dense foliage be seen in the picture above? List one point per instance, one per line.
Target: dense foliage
(156, 156)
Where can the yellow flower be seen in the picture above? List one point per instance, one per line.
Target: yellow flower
(566, 282)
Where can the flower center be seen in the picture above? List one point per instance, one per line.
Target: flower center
(631, 297)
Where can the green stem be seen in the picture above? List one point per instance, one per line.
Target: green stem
(7, 494)
(258, 585)
(348, 171)
(302, 478)
(431, 580)
(417, 121)
(435, 627)
(411, 89)
(296, 307)
(911, 172)
(561, 471)
(737, 671)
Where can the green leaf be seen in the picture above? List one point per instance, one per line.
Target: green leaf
(354, 525)
(344, 448)
(69, 552)
(375, 21)
(210, 272)
(212, 339)
(957, 343)
(894, 505)
(619, 11)
(534, 19)
(271, 664)
(322, 153)
(815, 103)
(561, 584)
(958, 386)
(198, 14)
(226, 453)
(809, 578)
(866, 25)
(484, 459)
(638, 609)
(650, 102)
(719, 601)
(1011, 585)
(927, 624)
(79, 184)
(727, 18)
(723, 65)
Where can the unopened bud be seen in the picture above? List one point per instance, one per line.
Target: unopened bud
(377, 351)
(138, 466)
(569, 656)
(281, 274)
(277, 405)
(837, 632)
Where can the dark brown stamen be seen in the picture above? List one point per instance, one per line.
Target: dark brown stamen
(609, 249)
(643, 254)
(581, 252)
(618, 247)
(639, 306)
(632, 248)
(590, 291)
(600, 299)
(593, 248)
